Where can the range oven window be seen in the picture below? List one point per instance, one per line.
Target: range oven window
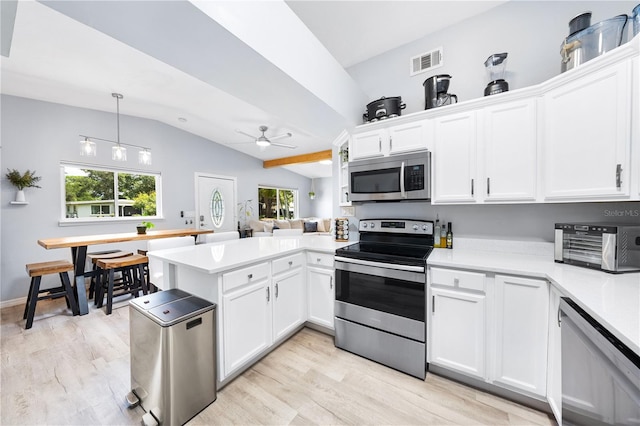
(390, 295)
(376, 181)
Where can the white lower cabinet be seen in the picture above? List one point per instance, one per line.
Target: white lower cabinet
(519, 355)
(289, 307)
(246, 323)
(457, 331)
(260, 309)
(490, 327)
(321, 296)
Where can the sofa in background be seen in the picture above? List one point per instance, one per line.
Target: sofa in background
(265, 227)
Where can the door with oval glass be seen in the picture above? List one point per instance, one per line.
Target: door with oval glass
(215, 202)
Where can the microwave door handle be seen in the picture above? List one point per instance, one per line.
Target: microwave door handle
(403, 193)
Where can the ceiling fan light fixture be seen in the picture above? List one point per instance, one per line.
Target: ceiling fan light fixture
(262, 142)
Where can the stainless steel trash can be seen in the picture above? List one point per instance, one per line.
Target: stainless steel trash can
(173, 355)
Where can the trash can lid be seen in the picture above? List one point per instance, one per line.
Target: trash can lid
(152, 300)
(179, 310)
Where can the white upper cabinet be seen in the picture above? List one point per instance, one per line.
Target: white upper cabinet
(509, 147)
(454, 158)
(367, 145)
(587, 136)
(387, 141)
(407, 137)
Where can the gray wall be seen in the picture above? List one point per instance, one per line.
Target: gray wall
(39, 135)
(531, 32)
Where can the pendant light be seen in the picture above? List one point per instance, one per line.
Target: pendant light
(119, 151)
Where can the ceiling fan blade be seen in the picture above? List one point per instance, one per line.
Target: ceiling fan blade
(284, 135)
(284, 145)
(246, 134)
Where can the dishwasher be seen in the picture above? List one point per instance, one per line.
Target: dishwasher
(600, 374)
(173, 356)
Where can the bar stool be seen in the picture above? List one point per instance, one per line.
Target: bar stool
(94, 257)
(36, 271)
(132, 268)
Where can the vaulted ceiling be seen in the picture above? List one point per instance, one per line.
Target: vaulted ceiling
(213, 67)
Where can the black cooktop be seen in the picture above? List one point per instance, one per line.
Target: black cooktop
(403, 254)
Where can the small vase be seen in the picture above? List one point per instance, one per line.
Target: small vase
(20, 196)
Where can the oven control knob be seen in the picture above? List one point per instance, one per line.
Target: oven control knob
(372, 225)
(415, 227)
(364, 224)
(424, 228)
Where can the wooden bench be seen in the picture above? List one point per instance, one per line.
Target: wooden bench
(133, 271)
(36, 271)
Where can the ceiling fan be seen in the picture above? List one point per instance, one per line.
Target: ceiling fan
(262, 141)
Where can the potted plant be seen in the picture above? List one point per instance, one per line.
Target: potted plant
(143, 226)
(21, 181)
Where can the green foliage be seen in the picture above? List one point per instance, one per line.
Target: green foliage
(147, 225)
(146, 203)
(22, 181)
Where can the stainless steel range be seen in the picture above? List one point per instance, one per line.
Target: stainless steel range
(380, 302)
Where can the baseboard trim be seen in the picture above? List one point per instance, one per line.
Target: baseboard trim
(13, 302)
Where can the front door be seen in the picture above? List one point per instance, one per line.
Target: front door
(216, 202)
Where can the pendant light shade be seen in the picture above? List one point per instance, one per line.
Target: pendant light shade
(119, 151)
(87, 148)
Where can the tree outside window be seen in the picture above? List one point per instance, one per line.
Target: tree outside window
(277, 203)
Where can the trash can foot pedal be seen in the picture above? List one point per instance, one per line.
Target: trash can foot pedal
(149, 420)
(132, 400)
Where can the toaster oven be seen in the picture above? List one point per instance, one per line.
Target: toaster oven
(607, 247)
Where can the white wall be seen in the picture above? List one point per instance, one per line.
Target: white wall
(322, 206)
(39, 135)
(530, 31)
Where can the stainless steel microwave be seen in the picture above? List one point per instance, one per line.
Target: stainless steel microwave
(396, 178)
(607, 247)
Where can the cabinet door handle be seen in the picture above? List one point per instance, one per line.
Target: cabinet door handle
(250, 276)
(618, 176)
(472, 187)
(391, 143)
(488, 186)
(268, 294)
(559, 320)
(330, 283)
(290, 262)
(379, 144)
(433, 304)
(318, 260)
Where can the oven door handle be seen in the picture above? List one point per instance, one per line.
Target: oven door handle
(403, 193)
(400, 272)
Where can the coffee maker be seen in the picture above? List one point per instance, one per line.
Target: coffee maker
(435, 91)
(496, 65)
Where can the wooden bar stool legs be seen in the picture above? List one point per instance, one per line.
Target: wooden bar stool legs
(36, 271)
(134, 278)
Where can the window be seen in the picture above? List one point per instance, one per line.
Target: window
(277, 203)
(89, 193)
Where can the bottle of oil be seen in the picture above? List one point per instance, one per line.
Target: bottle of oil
(443, 235)
(436, 234)
(449, 236)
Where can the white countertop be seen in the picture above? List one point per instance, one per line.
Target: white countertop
(224, 255)
(612, 299)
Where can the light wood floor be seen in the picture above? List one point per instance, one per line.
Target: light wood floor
(75, 370)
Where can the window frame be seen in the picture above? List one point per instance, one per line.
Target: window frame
(64, 221)
(296, 200)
